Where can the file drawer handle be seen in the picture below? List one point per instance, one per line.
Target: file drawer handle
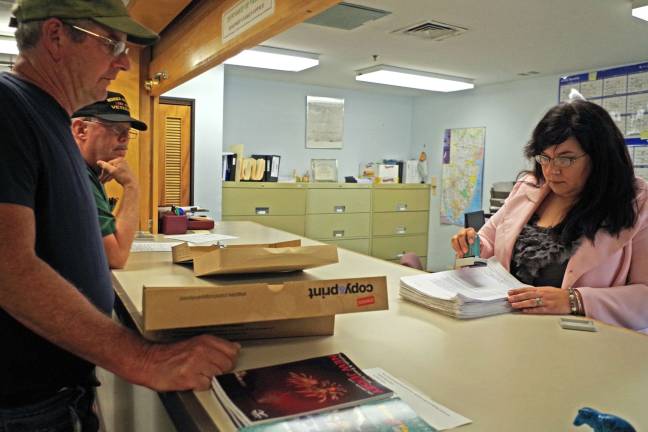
(262, 210)
(338, 233)
(402, 229)
(340, 209)
(401, 207)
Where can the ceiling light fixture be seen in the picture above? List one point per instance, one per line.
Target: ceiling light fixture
(8, 46)
(640, 9)
(275, 58)
(391, 75)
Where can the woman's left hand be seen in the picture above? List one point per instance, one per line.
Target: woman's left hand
(540, 300)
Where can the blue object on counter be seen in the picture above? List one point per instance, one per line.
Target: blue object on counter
(601, 422)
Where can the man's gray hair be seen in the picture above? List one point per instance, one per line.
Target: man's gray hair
(29, 33)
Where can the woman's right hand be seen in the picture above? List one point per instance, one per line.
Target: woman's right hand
(461, 241)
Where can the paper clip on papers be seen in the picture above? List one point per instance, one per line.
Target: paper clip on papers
(577, 324)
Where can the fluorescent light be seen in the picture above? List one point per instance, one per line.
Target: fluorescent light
(640, 12)
(8, 46)
(391, 75)
(275, 58)
(7, 31)
(640, 9)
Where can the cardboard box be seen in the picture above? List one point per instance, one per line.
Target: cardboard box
(182, 307)
(173, 224)
(388, 173)
(300, 327)
(200, 223)
(214, 260)
(183, 253)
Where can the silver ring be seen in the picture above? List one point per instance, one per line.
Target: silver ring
(538, 301)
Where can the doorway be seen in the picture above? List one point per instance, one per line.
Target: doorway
(175, 124)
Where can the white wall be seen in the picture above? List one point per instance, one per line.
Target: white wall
(509, 112)
(207, 89)
(269, 117)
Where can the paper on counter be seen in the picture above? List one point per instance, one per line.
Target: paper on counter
(438, 416)
(148, 246)
(478, 283)
(200, 238)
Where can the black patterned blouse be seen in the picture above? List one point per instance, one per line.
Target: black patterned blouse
(539, 258)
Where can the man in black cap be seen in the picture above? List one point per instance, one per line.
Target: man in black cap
(55, 288)
(102, 131)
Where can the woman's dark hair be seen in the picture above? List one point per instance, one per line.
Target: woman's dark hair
(608, 197)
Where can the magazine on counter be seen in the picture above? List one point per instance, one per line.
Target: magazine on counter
(283, 391)
(387, 415)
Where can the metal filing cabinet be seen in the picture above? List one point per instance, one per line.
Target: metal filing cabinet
(400, 220)
(277, 205)
(340, 214)
(380, 220)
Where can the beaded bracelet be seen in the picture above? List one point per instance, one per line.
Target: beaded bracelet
(579, 303)
(573, 301)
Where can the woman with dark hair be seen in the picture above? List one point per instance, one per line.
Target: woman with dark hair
(576, 227)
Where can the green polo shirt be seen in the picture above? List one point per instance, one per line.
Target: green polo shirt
(104, 207)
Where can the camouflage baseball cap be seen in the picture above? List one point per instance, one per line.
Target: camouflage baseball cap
(110, 13)
(113, 109)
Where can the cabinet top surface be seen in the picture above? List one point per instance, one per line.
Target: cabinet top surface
(276, 185)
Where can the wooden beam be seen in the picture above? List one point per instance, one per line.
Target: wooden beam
(148, 211)
(154, 163)
(192, 44)
(140, 152)
(128, 84)
(157, 14)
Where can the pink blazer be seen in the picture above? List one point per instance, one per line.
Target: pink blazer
(611, 274)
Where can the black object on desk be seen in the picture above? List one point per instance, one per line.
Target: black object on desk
(271, 173)
(474, 220)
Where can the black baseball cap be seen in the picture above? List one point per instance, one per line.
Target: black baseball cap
(110, 13)
(113, 109)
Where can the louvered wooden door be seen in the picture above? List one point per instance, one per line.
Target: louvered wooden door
(174, 126)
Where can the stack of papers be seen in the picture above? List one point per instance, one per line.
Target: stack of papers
(431, 412)
(152, 246)
(387, 415)
(469, 292)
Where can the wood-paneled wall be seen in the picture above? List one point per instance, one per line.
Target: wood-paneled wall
(128, 84)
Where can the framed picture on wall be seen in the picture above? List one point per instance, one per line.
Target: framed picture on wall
(324, 170)
(324, 122)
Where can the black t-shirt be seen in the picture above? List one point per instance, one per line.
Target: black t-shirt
(42, 168)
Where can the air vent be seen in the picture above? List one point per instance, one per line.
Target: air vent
(347, 16)
(431, 30)
(529, 73)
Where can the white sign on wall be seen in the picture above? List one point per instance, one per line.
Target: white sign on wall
(243, 15)
(324, 122)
